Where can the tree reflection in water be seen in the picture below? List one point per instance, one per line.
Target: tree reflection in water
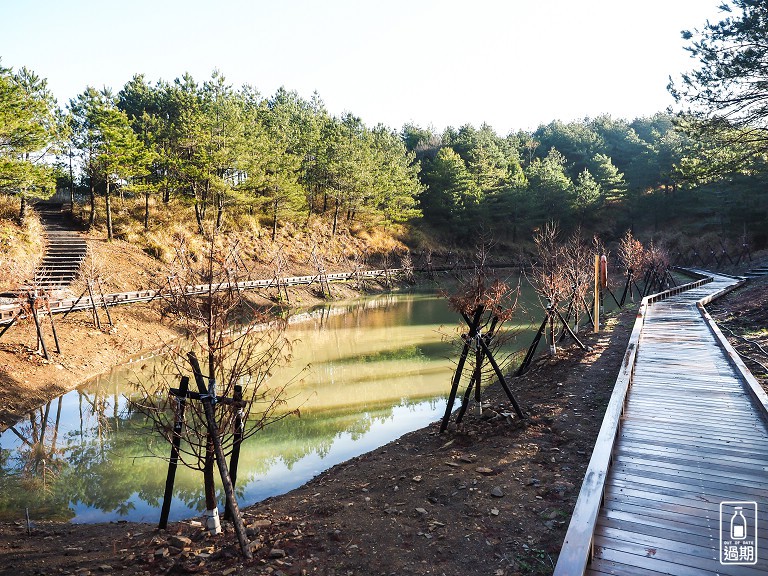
(378, 371)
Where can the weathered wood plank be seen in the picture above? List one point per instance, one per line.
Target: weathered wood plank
(625, 454)
(667, 561)
(735, 478)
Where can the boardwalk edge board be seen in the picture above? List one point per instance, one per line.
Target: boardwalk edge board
(753, 386)
(578, 546)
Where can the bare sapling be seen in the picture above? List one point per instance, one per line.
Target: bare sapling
(657, 264)
(632, 256)
(549, 277)
(238, 343)
(577, 265)
(485, 302)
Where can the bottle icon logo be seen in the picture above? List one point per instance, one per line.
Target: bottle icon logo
(738, 533)
(738, 524)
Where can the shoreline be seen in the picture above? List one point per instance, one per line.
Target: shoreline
(28, 381)
(422, 495)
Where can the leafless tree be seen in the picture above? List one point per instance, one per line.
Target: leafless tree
(578, 268)
(482, 289)
(485, 303)
(240, 344)
(632, 257)
(549, 276)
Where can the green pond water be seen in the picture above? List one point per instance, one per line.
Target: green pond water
(377, 368)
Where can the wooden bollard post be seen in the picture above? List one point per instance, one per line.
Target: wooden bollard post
(597, 295)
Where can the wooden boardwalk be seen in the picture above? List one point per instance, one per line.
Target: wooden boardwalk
(693, 433)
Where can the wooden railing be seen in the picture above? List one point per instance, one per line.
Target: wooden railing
(577, 549)
(9, 311)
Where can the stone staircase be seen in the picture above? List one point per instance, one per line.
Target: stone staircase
(65, 249)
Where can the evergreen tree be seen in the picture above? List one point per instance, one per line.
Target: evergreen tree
(29, 130)
(610, 180)
(110, 149)
(586, 195)
(551, 186)
(452, 197)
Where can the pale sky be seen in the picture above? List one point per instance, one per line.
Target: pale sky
(511, 63)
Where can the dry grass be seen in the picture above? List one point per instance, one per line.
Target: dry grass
(137, 257)
(21, 247)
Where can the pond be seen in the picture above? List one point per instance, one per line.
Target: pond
(377, 368)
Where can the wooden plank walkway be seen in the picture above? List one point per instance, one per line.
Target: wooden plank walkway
(693, 434)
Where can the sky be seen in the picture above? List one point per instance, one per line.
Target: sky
(513, 64)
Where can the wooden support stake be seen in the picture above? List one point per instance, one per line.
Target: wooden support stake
(93, 307)
(588, 311)
(460, 367)
(569, 331)
(221, 461)
(76, 303)
(234, 458)
(568, 314)
(40, 339)
(104, 302)
(501, 378)
(53, 326)
(474, 383)
(532, 348)
(627, 288)
(613, 296)
(178, 429)
(7, 326)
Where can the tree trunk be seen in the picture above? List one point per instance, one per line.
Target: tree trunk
(335, 217)
(199, 218)
(210, 489)
(71, 185)
(23, 209)
(108, 208)
(199, 214)
(274, 219)
(146, 211)
(92, 216)
(219, 210)
(553, 335)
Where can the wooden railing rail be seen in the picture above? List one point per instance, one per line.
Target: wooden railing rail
(9, 311)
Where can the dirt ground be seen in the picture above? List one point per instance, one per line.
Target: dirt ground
(742, 315)
(491, 497)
